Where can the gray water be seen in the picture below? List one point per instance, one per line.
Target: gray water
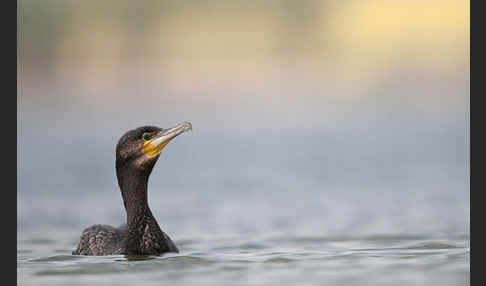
(252, 239)
(239, 224)
(372, 192)
(261, 235)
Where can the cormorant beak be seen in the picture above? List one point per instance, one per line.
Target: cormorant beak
(154, 146)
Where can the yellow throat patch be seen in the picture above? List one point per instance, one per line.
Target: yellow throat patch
(151, 150)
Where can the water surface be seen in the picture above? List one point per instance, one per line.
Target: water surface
(223, 242)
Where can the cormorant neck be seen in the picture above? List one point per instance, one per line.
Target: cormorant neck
(141, 224)
(133, 185)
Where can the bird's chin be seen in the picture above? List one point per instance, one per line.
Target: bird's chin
(145, 162)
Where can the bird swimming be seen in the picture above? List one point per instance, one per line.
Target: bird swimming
(137, 152)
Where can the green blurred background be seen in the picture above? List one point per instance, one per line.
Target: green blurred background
(351, 48)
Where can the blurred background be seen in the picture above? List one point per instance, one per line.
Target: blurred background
(310, 117)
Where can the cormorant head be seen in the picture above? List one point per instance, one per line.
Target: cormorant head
(139, 149)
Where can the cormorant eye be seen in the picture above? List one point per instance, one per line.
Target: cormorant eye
(146, 136)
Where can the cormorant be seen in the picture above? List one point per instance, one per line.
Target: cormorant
(136, 154)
